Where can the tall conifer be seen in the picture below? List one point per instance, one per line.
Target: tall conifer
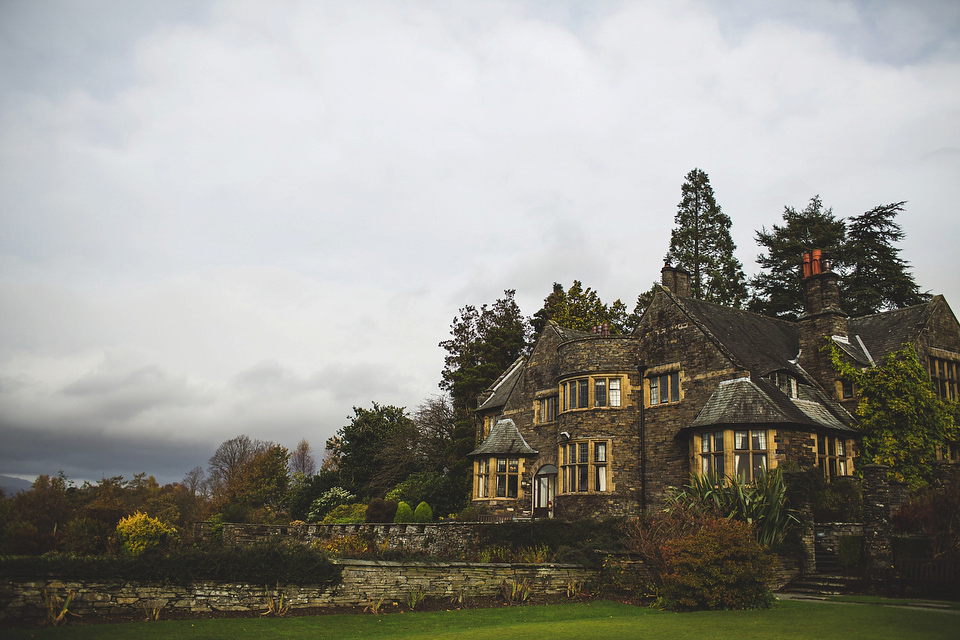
(701, 243)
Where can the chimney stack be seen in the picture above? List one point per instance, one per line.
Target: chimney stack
(822, 316)
(675, 279)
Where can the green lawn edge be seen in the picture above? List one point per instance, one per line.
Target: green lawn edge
(601, 619)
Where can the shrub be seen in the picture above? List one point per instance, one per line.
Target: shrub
(721, 566)
(327, 502)
(346, 514)
(85, 536)
(762, 502)
(380, 510)
(423, 513)
(404, 513)
(850, 553)
(139, 533)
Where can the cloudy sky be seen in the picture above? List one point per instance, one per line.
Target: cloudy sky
(247, 217)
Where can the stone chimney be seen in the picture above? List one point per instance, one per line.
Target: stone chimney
(675, 279)
(822, 316)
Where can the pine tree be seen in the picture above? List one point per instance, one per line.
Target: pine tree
(701, 243)
(777, 289)
(877, 278)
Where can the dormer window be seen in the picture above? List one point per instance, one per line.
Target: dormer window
(786, 383)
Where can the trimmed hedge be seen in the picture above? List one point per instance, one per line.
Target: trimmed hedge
(258, 564)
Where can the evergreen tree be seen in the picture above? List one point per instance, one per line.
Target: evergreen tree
(483, 343)
(582, 309)
(701, 243)
(877, 279)
(777, 289)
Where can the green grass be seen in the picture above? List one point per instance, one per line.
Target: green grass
(604, 619)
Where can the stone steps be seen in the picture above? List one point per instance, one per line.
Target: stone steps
(825, 585)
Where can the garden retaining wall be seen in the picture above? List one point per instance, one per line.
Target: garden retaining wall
(363, 582)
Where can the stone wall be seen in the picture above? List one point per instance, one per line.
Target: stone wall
(363, 583)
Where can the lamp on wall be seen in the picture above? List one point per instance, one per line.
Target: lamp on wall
(564, 436)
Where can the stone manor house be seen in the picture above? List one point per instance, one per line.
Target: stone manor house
(592, 424)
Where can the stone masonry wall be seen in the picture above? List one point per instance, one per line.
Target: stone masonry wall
(364, 582)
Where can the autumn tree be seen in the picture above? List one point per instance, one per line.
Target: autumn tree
(877, 278)
(262, 481)
(701, 243)
(903, 421)
(301, 459)
(777, 289)
(228, 460)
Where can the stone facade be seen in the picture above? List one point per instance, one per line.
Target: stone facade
(363, 583)
(582, 454)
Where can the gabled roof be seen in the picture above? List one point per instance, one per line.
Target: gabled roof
(884, 333)
(757, 343)
(505, 440)
(503, 385)
(746, 402)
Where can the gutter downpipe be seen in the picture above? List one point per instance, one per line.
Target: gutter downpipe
(641, 370)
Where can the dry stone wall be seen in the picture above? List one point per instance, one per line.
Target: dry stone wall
(363, 582)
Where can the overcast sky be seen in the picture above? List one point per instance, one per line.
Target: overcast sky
(247, 217)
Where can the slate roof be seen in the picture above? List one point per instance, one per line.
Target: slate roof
(504, 440)
(744, 402)
(504, 385)
(758, 343)
(885, 332)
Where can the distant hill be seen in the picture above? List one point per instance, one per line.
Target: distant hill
(11, 485)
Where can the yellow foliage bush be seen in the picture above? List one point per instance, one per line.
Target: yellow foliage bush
(140, 533)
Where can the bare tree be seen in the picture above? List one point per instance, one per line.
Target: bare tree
(229, 459)
(302, 460)
(196, 482)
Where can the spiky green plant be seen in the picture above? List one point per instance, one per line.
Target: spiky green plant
(760, 503)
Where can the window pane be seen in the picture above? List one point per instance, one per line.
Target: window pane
(511, 486)
(514, 465)
(600, 452)
(674, 387)
(600, 392)
(584, 452)
(759, 440)
(718, 466)
(502, 486)
(743, 465)
(582, 477)
(759, 463)
(718, 441)
(740, 440)
(654, 390)
(705, 465)
(601, 481)
(501, 465)
(705, 443)
(664, 389)
(614, 392)
(841, 448)
(584, 400)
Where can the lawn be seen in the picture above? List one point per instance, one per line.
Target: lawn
(602, 619)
